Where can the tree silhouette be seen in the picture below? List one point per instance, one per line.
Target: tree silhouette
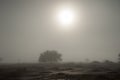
(119, 57)
(50, 56)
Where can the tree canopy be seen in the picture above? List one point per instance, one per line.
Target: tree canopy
(50, 56)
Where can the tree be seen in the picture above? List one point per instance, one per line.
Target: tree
(50, 56)
(119, 57)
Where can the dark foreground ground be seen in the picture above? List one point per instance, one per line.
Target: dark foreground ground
(64, 71)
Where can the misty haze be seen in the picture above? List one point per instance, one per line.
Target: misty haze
(59, 39)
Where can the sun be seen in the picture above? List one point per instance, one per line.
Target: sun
(66, 18)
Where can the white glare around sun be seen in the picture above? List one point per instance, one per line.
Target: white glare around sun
(66, 17)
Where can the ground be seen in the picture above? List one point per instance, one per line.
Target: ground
(62, 71)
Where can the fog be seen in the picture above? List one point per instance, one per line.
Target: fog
(29, 27)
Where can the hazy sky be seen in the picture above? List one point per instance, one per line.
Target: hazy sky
(29, 27)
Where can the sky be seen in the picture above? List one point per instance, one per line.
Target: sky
(30, 27)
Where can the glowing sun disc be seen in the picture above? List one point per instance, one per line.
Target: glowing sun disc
(65, 17)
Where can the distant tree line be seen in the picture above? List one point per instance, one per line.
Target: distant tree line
(54, 56)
